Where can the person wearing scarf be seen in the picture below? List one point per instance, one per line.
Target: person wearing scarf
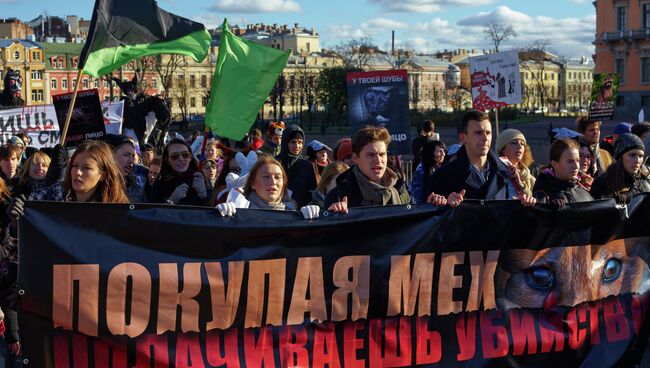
(302, 180)
(369, 182)
(181, 181)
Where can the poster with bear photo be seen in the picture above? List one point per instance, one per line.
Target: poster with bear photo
(603, 97)
(380, 98)
(496, 81)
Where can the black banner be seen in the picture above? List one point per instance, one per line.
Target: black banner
(487, 284)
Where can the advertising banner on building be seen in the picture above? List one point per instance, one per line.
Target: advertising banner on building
(604, 91)
(381, 98)
(496, 81)
(486, 284)
(42, 125)
(87, 120)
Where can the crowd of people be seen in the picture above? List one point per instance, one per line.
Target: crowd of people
(284, 172)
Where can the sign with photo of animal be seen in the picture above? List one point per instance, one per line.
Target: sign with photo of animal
(496, 81)
(87, 120)
(380, 98)
(485, 284)
(604, 91)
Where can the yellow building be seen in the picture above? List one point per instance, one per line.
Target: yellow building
(27, 58)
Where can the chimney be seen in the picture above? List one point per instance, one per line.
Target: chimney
(295, 25)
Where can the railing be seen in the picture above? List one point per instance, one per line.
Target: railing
(627, 35)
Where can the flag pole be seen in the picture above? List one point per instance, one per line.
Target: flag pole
(64, 132)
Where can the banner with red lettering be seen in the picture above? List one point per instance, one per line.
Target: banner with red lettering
(487, 284)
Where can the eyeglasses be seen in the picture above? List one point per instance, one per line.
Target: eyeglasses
(176, 155)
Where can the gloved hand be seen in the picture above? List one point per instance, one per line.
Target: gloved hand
(559, 203)
(226, 209)
(179, 193)
(16, 209)
(198, 183)
(310, 212)
(60, 155)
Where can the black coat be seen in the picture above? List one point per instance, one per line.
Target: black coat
(348, 186)
(455, 176)
(548, 188)
(302, 179)
(634, 185)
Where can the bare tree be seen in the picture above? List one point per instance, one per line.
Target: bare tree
(498, 32)
(537, 61)
(166, 66)
(357, 52)
(459, 98)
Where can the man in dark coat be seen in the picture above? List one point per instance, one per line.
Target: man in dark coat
(476, 172)
(302, 180)
(369, 182)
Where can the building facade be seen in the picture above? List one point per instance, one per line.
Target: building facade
(623, 47)
(13, 28)
(27, 58)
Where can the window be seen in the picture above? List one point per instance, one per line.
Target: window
(39, 95)
(620, 100)
(645, 15)
(74, 83)
(308, 47)
(192, 80)
(645, 70)
(154, 83)
(64, 83)
(59, 63)
(204, 101)
(54, 84)
(621, 18)
(84, 83)
(645, 100)
(204, 81)
(96, 83)
(144, 84)
(620, 69)
(192, 102)
(105, 83)
(16, 55)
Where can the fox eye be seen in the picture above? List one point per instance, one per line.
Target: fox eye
(540, 278)
(612, 269)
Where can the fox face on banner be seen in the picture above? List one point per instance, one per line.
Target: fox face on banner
(391, 286)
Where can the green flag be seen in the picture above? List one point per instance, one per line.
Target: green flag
(244, 76)
(122, 30)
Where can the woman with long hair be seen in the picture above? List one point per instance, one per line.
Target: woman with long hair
(327, 182)
(511, 146)
(432, 157)
(558, 183)
(181, 180)
(91, 176)
(266, 188)
(628, 175)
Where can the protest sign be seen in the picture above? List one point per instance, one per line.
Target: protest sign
(484, 284)
(603, 97)
(380, 98)
(87, 120)
(496, 81)
(41, 124)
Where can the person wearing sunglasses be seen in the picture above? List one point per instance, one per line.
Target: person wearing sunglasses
(181, 180)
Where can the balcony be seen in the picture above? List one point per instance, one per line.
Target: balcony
(627, 35)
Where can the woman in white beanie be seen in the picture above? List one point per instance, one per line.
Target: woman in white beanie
(512, 148)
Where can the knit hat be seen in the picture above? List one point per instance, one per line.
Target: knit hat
(344, 149)
(622, 128)
(627, 142)
(640, 128)
(16, 140)
(116, 140)
(508, 136)
(313, 147)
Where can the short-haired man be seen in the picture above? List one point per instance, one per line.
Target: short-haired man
(590, 131)
(426, 133)
(369, 182)
(477, 172)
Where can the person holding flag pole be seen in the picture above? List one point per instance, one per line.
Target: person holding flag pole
(123, 30)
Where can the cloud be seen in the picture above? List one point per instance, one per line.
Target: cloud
(377, 25)
(501, 14)
(344, 31)
(256, 6)
(425, 6)
(580, 1)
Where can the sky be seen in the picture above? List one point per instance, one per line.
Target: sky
(420, 25)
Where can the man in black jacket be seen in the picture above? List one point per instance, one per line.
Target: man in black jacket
(476, 172)
(369, 182)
